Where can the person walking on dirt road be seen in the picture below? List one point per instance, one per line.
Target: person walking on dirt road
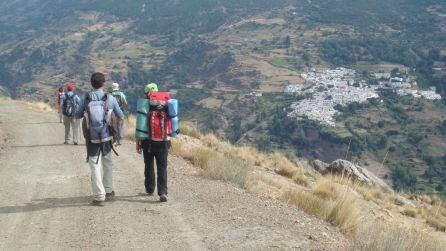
(122, 101)
(154, 149)
(69, 102)
(96, 109)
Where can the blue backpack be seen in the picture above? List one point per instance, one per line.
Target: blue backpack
(69, 105)
(97, 126)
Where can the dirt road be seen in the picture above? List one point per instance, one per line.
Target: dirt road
(45, 195)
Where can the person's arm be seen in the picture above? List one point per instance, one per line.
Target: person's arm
(138, 146)
(116, 109)
(124, 99)
(62, 99)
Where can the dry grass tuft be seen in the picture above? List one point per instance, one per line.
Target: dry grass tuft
(227, 169)
(210, 140)
(326, 189)
(283, 166)
(339, 208)
(178, 149)
(189, 130)
(345, 213)
(437, 223)
(368, 192)
(374, 235)
(213, 164)
(129, 127)
(251, 155)
(410, 212)
(307, 201)
(300, 179)
(202, 157)
(40, 106)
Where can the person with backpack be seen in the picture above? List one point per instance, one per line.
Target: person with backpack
(69, 103)
(59, 105)
(96, 109)
(155, 142)
(122, 101)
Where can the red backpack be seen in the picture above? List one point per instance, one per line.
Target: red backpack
(160, 126)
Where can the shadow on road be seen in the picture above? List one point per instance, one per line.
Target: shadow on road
(47, 145)
(48, 203)
(140, 198)
(41, 123)
(82, 201)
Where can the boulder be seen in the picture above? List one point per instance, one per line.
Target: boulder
(319, 166)
(348, 169)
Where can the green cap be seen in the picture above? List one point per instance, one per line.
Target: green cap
(152, 87)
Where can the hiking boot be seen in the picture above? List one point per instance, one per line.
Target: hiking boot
(75, 143)
(149, 192)
(110, 196)
(163, 198)
(65, 143)
(97, 203)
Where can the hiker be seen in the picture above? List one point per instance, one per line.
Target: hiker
(156, 143)
(59, 105)
(96, 109)
(122, 101)
(69, 103)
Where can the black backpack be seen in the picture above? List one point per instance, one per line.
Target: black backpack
(68, 106)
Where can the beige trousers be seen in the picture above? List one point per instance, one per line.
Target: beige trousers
(71, 123)
(101, 184)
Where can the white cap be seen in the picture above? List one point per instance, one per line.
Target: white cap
(115, 87)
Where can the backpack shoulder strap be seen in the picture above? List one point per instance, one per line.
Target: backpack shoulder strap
(87, 98)
(87, 102)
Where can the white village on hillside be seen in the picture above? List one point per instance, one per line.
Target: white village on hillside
(332, 87)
